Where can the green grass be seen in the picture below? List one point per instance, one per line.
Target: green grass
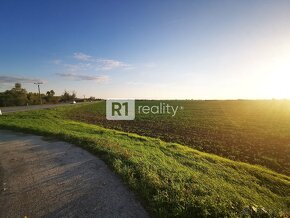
(171, 179)
(256, 132)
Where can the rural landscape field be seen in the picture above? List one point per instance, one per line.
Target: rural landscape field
(256, 132)
(174, 176)
(148, 108)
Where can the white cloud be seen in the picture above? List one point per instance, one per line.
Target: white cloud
(78, 67)
(12, 79)
(99, 63)
(88, 66)
(109, 64)
(81, 56)
(80, 77)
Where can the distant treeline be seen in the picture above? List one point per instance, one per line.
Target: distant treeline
(18, 96)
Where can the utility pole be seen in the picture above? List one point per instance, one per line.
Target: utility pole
(39, 83)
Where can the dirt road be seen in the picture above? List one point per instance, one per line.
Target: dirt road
(40, 178)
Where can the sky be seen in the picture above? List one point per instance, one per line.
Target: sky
(155, 49)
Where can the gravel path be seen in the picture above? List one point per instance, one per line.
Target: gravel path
(41, 178)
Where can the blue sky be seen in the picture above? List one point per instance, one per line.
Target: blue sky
(148, 49)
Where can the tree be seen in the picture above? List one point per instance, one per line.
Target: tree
(74, 95)
(67, 96)
(33, 98)
(50, 93)
(17, 96)
(92, 98)
(50, 98)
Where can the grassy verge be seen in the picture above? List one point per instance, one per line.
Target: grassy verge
(173, 180)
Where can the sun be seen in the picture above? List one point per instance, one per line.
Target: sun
(276, 82)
